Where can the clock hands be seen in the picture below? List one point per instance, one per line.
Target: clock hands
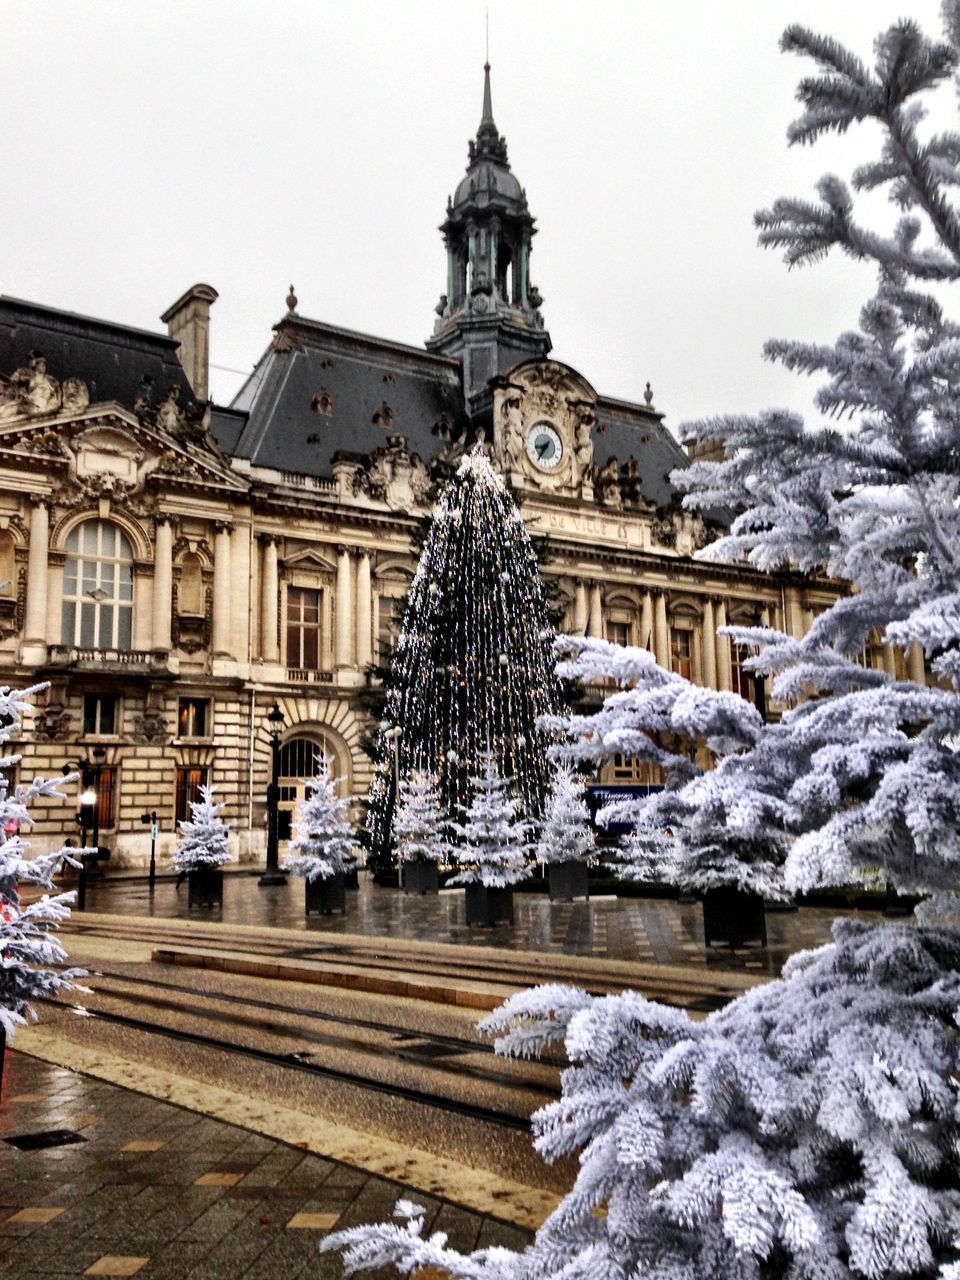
(544, 446)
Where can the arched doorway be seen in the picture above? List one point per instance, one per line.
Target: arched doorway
(299, 759)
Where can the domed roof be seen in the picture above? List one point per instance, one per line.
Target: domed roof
(487, 180)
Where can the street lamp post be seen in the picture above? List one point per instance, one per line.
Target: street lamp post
(273, 874)
(88, 798)
(151, 817)
(99, 755)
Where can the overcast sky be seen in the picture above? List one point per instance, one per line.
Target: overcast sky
(150, 144)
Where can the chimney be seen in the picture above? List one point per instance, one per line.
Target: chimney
(188, 320)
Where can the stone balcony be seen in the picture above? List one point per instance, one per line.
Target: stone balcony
(301, 675)
(125, 661)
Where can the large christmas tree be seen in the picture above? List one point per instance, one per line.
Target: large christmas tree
(473, 667)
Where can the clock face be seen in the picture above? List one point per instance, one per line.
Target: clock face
(544, 447)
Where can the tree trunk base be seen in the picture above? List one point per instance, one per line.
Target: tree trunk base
(733, 918)
(567, 880)
(205, 887)
(326, 894)
(421, 876)
(487, 906)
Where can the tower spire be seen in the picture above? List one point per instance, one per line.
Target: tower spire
(487, 116)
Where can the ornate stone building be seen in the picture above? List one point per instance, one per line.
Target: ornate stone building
(172, 568)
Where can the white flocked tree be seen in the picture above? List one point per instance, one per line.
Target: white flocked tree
(31, 956)
(324, 844)
(493, 840)
(204, 839)
(565, 833)
(420, 825)
(809, 1130)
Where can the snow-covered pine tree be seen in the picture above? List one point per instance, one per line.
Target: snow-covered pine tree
(809, 1129)
(419, 826)
(565, 833)
(725, 821)
(493, 840)
(566, 840)
(420, 833)
(204, 839)
(324, 844)
(29, 947)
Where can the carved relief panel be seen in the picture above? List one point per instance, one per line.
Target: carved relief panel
(543, 428)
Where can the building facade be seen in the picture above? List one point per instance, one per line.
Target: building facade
(172, 569)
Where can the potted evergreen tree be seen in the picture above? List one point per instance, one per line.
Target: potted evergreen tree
(419, 832)
(491, 844)
(566, 836)
(324, 847)
(202, 850)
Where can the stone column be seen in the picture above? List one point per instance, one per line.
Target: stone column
(241, 605)
(793, 622)
(661, 632)
(596, 612)
(646, 622)
(364, 612)
(709, 646)
(889, 661)
(342, 655)
(724, 662)
(163, 585)
(221, 592)
(580, 609)
(269, 601)
(36, 615)
(915, 664)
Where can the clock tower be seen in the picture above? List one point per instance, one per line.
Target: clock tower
(489, 318)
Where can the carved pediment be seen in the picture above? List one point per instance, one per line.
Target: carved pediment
(104, 450)
(309, 558)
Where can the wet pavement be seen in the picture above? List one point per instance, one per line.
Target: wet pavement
(131, 1185)
(647, 930)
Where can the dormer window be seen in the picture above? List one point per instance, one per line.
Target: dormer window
(323, 401)
(384, 416)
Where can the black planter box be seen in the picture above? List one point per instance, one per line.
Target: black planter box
(326, 894)
(567, 880)
(421, 876)
(205, 887)
(489, 906)
(733, 918)
(351, 879)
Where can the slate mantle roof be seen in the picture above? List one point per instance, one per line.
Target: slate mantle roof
(112, 359)
(273, 421)
(411, 392)
(624, 431)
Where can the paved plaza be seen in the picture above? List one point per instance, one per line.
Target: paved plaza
(144, 1188)
(646, 930)
(97, 1178)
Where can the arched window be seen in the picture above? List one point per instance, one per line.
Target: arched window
(190, 599)
(300, 758)
(97, 588)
